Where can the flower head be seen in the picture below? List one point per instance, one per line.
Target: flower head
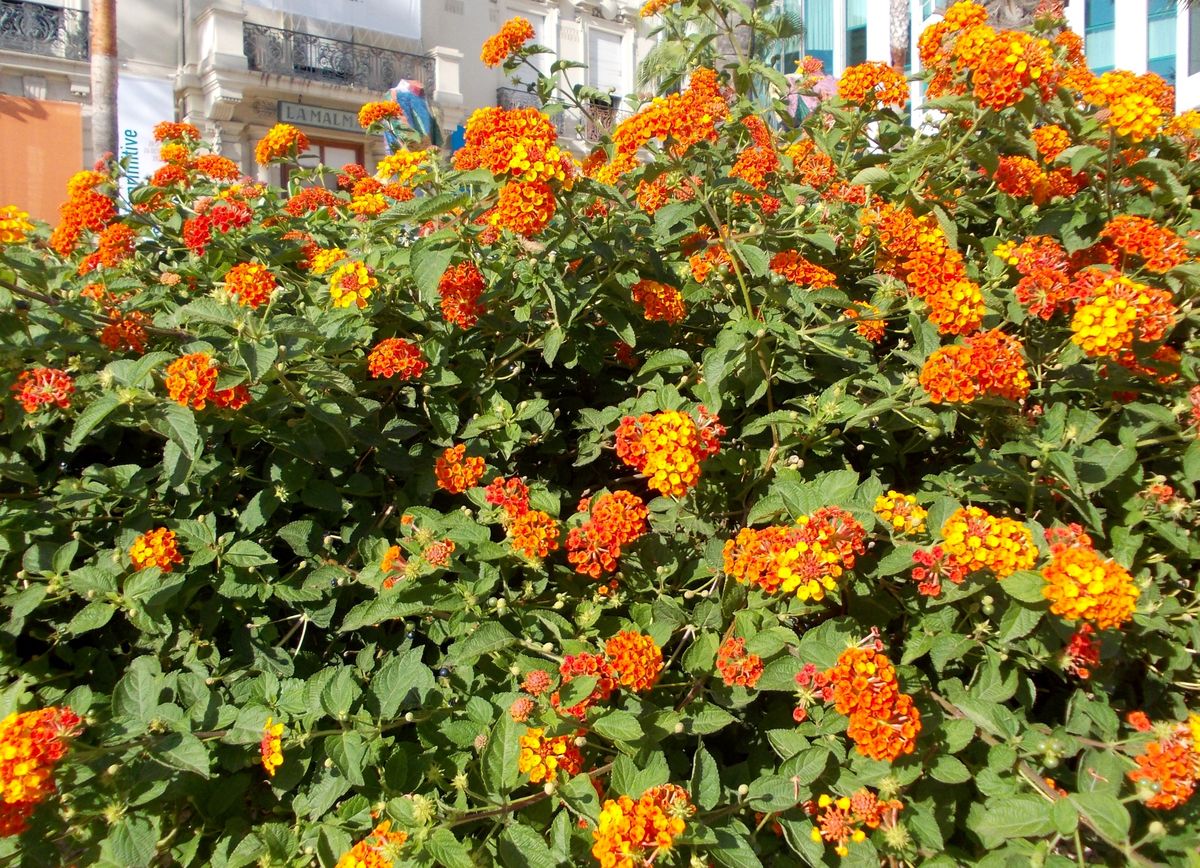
(271, 746)
(282, 141)
(380, 849)
(32, 743)
(543, 758)
(192, 380)
(456, 472)
(636, 660)
(396, 357)
(352, 283)
(41, 387)
(513, 34)
(251, 283)
(155, 548)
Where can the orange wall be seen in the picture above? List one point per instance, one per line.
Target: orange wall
(43, 147)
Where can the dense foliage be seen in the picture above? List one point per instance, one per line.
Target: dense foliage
(746, 493)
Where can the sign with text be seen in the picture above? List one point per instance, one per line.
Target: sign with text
(141, 103)
(301, 115)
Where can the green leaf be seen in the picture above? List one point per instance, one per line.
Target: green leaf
(706, 780)
(92, 415)
(182, 751)
(430, 259)
(402, 681)
(1064, 816)
(521, 847)
(1025, 586)
(487, 639)
(500, 756)
(136, 696)
(618, 725)
(245, 553)
(447, 850)
(93, 616)
(949, 770)
(629, 780)
(178, 424)
(347, 752)
(665, 360)
(773, 794)
(709, 719)
(1107, 813)
(732, 848)
(581, 796)
(1005, 817)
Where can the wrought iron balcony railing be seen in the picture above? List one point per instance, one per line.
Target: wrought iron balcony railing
(35, 28)
(336, 61)
(516, 98)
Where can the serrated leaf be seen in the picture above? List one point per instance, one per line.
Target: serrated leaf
(706, 780)
(487, 639)
(447, 850)
(1005, 817)
(92, 415)
(618, 725)
(949, 770)
(500, 756)
(1025, 586)
(182, 751)
(1106, 812)
(521, 847)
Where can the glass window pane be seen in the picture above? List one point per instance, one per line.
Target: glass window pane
(856, 31)
(818, 31)
(1194, 39)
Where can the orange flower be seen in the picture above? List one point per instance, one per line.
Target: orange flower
(537, 682)
(1168, 768)
(455, 472)
(373, 112)
(155, 548)
(191, 380)
(1138, 106)
(632, 833)
(660, 301)
(368, 205)
(667, 448)
(513, 34)
(801, 272)
(1160, 247)
(736, 666)
(806, 559)
(351, 283)
(511, 495)
(41, 387)
(437, 554)
(396, 357)
(232, 399)
(989, 364)
(282, 141)
(884, 722)
(873, 85)
(978, 540)
(635, 659)
(653, 7)
(403, 165)
(460, 289)
(1050, 140)
(535, 534)
(868, 318)
(616, 520)
(839, 820)
(169, 131)
(311, 199)
(1046, 286)
(900, 512)
(523, 207)
(380, 849)
(271, 746)
(251, 283)
(14, 225)
(32, 743)
(1120, 311)
(125, 331)
(217, 167)
(1082, 586)
(1008, 64)
(543, 758)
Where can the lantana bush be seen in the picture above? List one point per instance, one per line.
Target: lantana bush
(742, 492)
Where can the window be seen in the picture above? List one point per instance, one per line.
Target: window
(606, 62)
(856, 32)
(1160, 40)
(542, 61)
(331, 154)
(1099, 34)
(818, 32)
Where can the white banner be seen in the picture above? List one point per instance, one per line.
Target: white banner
(141, 103)
(397, 17)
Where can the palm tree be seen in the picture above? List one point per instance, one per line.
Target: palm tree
(104, 77)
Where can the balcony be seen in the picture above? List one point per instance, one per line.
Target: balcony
(34, 28)
(515, 98)
(333, 61)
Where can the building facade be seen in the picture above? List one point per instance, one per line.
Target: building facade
(235, 67)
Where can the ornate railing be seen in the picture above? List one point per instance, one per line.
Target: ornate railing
(516, 98)
(601, 120)
(336, 61)
(35, 28)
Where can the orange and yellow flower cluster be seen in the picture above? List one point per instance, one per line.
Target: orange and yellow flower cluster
(1138, 107)
(614, 521)
(351, 284)
(380, 849)
(840, 820)
(86, 209)
(873, 85)
(14, 225)
(1168, 768)
(634, 833)
(251, 283)
(884, 722)
(916, 250)
(1119, 312)
(979, 541)
(806, 558)
(192, 380)
(460, 289)
(373, 112)
(396, 357)
(1083, 586)
(659, 301)
(270, 747)
(800, 271)
(32, 743)
(543, 758)
(156, 548)
(635, 659)
(281, 142)
(667, 447)
(456, 472)
(738, 667)
(901, 512)
(986, 365)
(1159, 247)
(43, 387)
(512, 36)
